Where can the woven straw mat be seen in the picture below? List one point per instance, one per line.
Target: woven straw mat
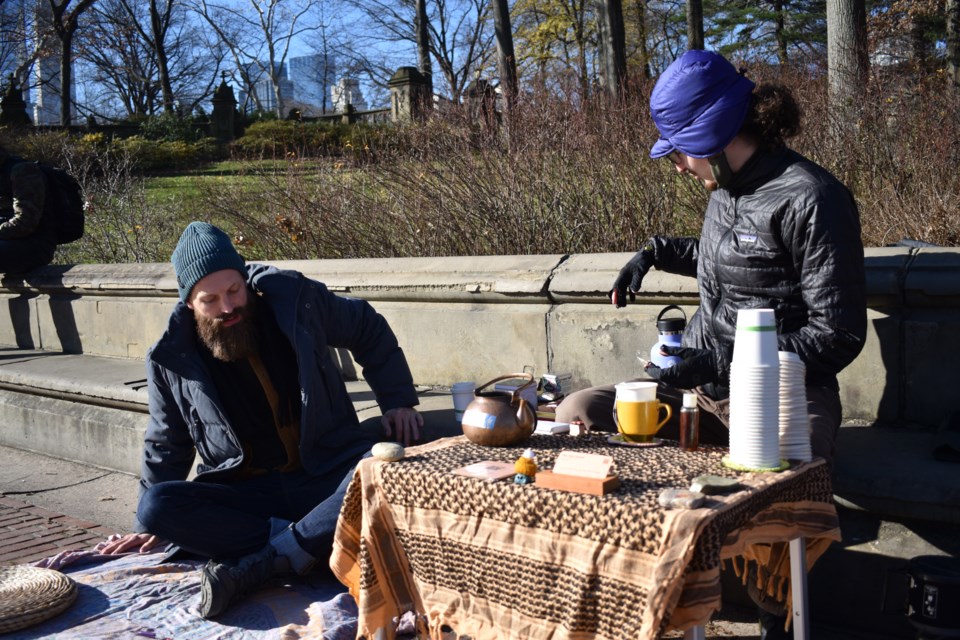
(29, 595)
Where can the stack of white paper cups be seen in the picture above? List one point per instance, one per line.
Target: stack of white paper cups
(755, 391)
(794, 419)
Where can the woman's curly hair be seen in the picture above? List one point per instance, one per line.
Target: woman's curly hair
(773, 117)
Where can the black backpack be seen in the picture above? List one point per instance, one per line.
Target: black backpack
(63, 203)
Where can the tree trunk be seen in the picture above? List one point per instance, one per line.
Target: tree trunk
(921, 49)
(278, 96)
(642, 37)
(326, 76)
(779, 31)
(694, 24)
(506, 60)
(423, 39)
(158, 28)
(953, 43)
(847, 64)
(66, 78)
(613, 48)
(65, 26)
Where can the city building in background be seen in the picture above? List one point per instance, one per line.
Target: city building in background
(23, 23)
(307, 85)
(46, 91)
(13, 47)
(260, 89)
(312, 77)
(44, 107)
(347, 92)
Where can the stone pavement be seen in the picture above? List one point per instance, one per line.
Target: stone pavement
(48, 505)
(29, 533)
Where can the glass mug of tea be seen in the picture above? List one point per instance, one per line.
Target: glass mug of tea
(636, 411)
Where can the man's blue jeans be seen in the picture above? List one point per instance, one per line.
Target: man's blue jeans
(228, 520)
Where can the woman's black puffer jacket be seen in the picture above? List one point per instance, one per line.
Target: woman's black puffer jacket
(784, 235)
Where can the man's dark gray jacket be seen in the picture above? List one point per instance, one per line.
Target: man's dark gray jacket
(186, 410)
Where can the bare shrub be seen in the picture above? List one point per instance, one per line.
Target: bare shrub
(573, 176)
(120, 226)
(897, 154)
(901, 163)
(567, 179)
(302, 211)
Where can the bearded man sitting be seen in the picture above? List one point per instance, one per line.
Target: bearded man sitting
(243, 378)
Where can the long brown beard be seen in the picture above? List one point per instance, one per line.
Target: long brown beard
(233, 343)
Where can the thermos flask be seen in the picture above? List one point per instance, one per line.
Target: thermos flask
(670, 331)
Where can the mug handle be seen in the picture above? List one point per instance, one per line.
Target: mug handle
(669, 414)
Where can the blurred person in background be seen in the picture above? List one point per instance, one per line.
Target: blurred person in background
(27, 238)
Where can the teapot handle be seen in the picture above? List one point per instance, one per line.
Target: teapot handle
(510, 376)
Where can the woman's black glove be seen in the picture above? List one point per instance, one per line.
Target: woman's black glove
(698, 367)
(631, 276)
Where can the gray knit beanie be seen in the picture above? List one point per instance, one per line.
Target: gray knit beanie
(201, 250)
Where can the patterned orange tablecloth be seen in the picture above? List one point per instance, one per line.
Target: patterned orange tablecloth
(502, 560)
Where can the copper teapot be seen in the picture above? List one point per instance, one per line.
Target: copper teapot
(500, 418)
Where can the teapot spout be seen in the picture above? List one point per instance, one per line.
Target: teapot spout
(526, 416)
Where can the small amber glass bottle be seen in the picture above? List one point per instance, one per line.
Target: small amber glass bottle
(689, 423)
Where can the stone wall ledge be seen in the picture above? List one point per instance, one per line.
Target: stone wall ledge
(496, 314)
(112, 382)
(74, 337)
(925, 275)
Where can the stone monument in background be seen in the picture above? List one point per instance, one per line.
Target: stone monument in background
(13, 108)
(224, 112)
(410, 94)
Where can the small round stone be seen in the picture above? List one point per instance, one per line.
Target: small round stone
(389, 451)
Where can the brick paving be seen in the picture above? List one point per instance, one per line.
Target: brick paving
(29, 533)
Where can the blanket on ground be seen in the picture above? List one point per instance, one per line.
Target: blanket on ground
(138, 596)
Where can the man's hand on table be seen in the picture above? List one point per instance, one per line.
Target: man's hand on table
(139, 542)
(402, 424)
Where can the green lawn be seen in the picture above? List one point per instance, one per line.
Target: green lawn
(188, 188)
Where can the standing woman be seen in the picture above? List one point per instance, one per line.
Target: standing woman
(780, 232)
